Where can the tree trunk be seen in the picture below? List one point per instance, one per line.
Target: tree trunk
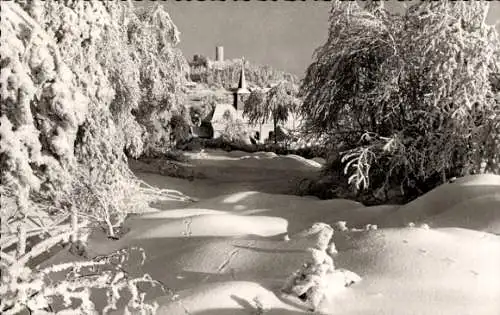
(21, 242)
(74, 226)
(111, 232)
(275, 129)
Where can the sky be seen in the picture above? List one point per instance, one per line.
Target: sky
(281, 33)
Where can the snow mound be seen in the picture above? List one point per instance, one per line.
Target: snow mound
(418, 271)
(265, 154)
(480, 214)
(319, 160)
(478, 180)
(459, 201)
(302, 160)
(258, 160)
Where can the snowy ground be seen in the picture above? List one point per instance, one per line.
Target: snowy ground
(227, 253)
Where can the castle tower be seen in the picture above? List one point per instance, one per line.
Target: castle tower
(242, 93)
(219, 53)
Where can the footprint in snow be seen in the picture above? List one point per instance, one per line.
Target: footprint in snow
(423, 251)
(449, 260)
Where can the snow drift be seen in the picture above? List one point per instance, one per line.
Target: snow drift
(231, 254)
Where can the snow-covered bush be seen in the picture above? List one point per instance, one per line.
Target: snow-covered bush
(34, 290)
(407, 97)
(317, 278)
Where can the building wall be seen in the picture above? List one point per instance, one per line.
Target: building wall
(239, 101)
(263, 129)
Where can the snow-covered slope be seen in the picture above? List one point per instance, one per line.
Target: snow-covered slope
(231, 253)
(470, 202)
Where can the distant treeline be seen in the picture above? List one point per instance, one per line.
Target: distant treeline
(226, 74)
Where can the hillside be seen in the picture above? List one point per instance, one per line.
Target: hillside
(226, 74)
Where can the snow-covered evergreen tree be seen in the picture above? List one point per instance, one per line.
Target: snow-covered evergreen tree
(79, 85)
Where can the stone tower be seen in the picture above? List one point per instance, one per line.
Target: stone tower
(219, 53)
(241, 93)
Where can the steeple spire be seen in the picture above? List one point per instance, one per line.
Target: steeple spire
(243, 82)
(242, 90)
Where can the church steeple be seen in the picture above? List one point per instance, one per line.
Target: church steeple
(243, 82)
(241, 93)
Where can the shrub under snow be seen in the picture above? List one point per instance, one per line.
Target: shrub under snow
(317, 278)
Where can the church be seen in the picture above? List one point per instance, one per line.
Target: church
(233, 104)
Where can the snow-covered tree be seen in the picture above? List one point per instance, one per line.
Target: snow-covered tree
(162, 71)
(227, 73)
(276, 104)
(408, 96)
(70, 83)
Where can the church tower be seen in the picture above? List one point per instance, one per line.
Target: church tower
(241, 94)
